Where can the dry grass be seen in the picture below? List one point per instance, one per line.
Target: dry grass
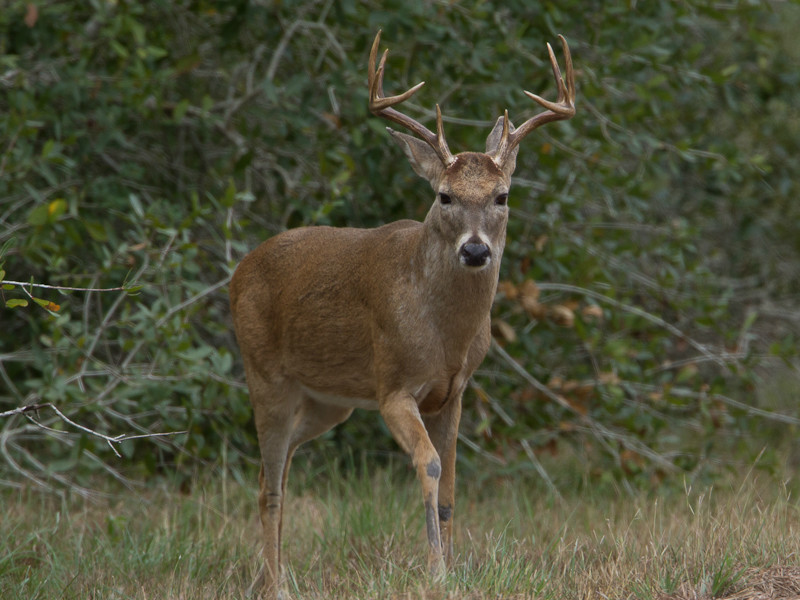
(362, 537)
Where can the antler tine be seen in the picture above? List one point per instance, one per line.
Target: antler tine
(381, 106)
(562, 108)
(565, 92)
(441, 142)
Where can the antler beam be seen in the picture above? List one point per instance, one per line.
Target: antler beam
(562, 108)
(381, 106)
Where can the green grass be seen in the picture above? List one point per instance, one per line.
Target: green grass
(362, 536)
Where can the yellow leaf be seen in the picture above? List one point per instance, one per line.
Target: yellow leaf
(56, 208)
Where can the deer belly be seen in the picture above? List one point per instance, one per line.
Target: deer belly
(342, 401)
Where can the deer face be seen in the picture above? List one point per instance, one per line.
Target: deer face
(470, 212)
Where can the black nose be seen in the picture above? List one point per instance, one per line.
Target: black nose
(475, 254)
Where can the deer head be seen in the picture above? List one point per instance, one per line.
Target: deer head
(471, 187)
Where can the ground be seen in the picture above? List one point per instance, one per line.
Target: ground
(361, 535)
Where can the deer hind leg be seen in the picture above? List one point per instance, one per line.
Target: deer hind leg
(401, 414)
(284, 420)
(276, 403)
(443, 431)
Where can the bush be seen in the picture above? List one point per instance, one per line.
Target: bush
(649, 277)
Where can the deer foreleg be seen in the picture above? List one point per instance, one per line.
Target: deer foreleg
(443, 431)
(401, 414)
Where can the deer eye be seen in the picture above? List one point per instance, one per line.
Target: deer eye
(501, 200)
(444, 198)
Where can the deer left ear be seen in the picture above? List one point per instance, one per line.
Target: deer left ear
(425, 162)
(492, 143)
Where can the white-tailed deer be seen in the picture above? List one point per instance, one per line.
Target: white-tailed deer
(394, 319)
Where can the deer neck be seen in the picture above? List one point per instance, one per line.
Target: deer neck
(457, 298)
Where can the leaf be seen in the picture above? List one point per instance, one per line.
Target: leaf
(96, 231)
(48, 148)
(56, 208)
(6, 246)
(230, 194)
(31, 15)
(39, 215)
(180, 110)
(16, 302)
(507, 289)
(501, 329)
(592, 311)
(187, 63)
(47, 304)
(119, 49)
(136, 205)
(562, 315)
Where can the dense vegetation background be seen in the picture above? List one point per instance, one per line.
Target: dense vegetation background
(648, 312)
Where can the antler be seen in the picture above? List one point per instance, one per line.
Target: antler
(562, 108)
(381, 106)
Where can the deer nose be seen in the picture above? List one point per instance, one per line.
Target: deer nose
(474, 253)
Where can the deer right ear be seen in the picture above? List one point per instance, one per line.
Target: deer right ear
(492, 143)
(425, 162)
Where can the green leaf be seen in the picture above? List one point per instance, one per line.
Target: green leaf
(230, 194)
(39, 215)
(16, 303)
(180, 110)
(97, 231)
(120, 50)
(48, 147)
(6, 246)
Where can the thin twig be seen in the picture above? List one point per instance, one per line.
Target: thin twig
(473, 446)
(541, 470)
(24, 410)
(24, 284)
(750, 410)
(602, 434)
(280, 49)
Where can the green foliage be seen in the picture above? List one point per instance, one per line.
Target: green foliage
(145, 147)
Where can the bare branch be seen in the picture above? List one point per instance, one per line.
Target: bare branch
(28, 284)
(601, 433)
(33, 408)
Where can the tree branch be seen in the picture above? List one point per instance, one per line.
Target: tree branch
(24, 410)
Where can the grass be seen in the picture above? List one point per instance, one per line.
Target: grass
(362, 536)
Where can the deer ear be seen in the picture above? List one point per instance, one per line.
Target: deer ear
(493, 141)
(425, 162)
